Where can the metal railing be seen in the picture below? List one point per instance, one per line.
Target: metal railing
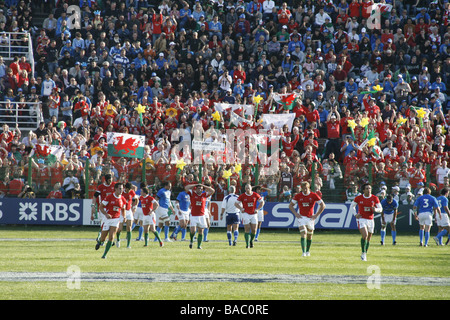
(17, 44)
(24, 115)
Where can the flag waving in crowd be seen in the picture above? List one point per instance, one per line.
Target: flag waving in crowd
(125, 145)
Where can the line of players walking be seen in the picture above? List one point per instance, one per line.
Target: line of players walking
(118, 205)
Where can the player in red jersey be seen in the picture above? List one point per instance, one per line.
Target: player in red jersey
(112, 208)
(104, 190)
(130, 209)
(367, 204)
(149, 205)
(246, 202)
(198, 194)
(305, 201)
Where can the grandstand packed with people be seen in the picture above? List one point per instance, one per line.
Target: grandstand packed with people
(360, 88)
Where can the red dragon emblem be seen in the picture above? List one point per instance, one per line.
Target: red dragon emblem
(124, 145)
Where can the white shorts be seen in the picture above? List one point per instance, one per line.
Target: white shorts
(261, 215)
(443, 221)
(367, 223)
(198, 221)
(388, 218)
(110, 223)
(249, 218)
(426, 218)
(306, 221)
(129, 215)
(138, 214)
(183, 215)
(162, 214)
(149, 220)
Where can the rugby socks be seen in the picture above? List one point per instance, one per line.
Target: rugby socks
(158, 229)
(183, 234)
(363, 245)
(146, 239)
(107, 247)
(383, 235)
(303, 244)
(141, 231)
(175, 231)
(199, 241)
(421, 236)
(166, 232)
(257, 233)
(157, 236)
(427, 237)
(394, 236)
(441, 234)
(229, 237)
(128, 238)
(367, 245)
(308, 244)
(247, 238)
(236, 235)
(205, 234)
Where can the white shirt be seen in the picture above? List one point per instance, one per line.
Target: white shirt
(228, 203)
(441, 173)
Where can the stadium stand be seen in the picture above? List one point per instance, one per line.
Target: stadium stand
(369, 102)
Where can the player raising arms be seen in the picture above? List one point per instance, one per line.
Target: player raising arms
(149, 205)
(305, 201)
(198, 194)
(112, 208)
(246, 202)
(424, 208)
(367, 204)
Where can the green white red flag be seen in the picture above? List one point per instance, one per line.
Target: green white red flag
(125, 145)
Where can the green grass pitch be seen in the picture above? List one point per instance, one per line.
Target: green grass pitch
(46, 263)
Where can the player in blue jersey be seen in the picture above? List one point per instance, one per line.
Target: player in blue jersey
(263, 192)
(424, 208)
(443, 223)
(183, 203)
(232, 215)
(389, 216)
(162, 212)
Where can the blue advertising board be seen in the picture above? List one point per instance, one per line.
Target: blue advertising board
(43, 211)
(276, 214)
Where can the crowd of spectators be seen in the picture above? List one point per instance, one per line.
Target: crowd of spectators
(96, 65)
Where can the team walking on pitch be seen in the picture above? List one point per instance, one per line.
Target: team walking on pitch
(119, 205)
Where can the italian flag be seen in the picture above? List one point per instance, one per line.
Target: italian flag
(125, 145)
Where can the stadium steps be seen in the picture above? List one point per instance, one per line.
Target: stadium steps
(38, 19)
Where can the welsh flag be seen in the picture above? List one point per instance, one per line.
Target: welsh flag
(47, 154)
(287, 100)
(125, 145)
(383, 8)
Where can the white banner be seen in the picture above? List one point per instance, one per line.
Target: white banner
(208, 146)
(278, 120)
(248, 108)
